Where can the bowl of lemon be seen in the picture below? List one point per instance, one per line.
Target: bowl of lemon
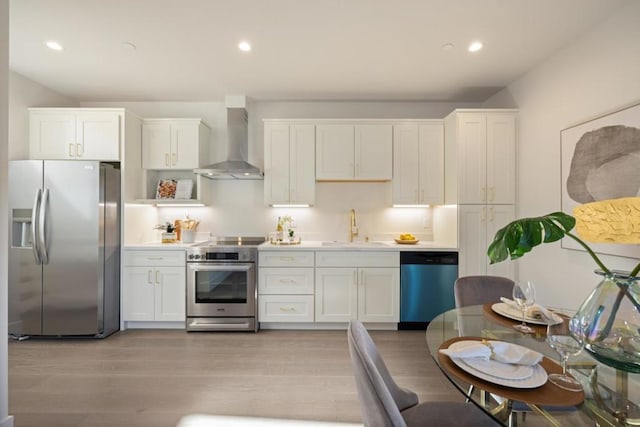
(407, 239)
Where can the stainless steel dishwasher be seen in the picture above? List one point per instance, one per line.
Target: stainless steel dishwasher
(426, 286)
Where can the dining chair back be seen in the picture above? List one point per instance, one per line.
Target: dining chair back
(381, 399)
(384, 404)
(475, 290)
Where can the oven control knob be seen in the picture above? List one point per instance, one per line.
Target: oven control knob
(197, 256)
(190, 256)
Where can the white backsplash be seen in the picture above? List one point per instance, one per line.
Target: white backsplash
(239, 209)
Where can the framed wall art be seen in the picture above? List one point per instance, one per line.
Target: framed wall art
(600, 160)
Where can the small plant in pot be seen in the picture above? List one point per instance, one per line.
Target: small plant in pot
(609, 319)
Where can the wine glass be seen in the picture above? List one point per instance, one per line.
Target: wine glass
(560, 338)
(524, 295)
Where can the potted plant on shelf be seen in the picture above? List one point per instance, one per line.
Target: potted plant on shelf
(168, 232)
(609, 319)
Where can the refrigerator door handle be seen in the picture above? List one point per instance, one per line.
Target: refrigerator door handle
(34, 226)
(42, 241)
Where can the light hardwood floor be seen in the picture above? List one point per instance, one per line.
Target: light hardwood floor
(151, 378)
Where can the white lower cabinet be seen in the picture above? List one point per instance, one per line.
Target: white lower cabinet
(285, 286)
(297, 286)
(363, 286)
(153, 286)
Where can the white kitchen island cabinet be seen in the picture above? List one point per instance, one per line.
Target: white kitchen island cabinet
(357, 285)
(418, 163)
(354, 152)
(154, 289)
(75, 134)
(289, 163)
(174, 143)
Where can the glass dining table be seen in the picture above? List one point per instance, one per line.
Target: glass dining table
(610, 397)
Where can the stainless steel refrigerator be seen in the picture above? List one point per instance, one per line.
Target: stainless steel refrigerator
(64, 248)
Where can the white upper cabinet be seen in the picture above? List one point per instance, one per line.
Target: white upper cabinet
(289, 163)
(418, 163)
(480, 157)
(354, 152)
(68, 134)
(174, 143)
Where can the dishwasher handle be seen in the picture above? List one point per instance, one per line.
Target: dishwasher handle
(429, 258)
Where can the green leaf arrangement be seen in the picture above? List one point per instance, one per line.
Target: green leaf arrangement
(522, 235)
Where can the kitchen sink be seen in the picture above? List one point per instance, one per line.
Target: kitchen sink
(339, 243)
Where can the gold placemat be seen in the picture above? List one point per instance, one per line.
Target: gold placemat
(547, 394)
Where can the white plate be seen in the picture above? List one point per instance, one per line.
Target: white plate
(538, 376)
(506, 371)
(506, 310)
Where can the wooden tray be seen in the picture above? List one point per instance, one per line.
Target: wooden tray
(547, 394)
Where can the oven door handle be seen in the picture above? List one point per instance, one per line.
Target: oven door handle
(222, 267)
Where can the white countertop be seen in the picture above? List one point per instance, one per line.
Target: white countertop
(358, 246)
(159, 246)
(311, 245)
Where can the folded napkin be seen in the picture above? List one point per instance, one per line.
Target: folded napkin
(499, 351)
(536, 311)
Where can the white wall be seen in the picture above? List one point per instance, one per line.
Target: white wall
(23, 94)
(5, 419)
(238, 206)
(596, 74)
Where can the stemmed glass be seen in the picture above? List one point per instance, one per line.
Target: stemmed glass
(560, 338)
(524, 295)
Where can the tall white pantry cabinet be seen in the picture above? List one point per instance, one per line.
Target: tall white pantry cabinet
(480, 165)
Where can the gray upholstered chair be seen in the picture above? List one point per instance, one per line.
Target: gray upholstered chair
(474, 290)
(383, 403)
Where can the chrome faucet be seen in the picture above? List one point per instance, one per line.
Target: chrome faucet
(353, 229)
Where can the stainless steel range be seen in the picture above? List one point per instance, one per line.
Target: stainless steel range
(222, 285)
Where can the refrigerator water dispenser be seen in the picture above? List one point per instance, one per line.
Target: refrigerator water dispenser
(21, 228)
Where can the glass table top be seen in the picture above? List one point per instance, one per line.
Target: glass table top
(612, 397)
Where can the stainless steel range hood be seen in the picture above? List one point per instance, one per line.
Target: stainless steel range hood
(236, 165)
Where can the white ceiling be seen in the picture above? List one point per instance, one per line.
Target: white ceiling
(302, 49)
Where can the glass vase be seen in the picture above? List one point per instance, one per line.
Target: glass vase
(609, 321)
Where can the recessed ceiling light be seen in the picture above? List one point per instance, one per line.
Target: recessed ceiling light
(244, 46)
(448, 46)
(475, 46)
(53, 45)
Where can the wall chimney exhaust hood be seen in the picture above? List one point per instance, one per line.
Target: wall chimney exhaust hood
(236, 165)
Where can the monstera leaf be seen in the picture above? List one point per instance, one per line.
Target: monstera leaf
(520, 236)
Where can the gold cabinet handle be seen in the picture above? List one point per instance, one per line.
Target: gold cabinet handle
(79, 150)
(174, 159)
(71, 150)
(491, 214)
(157, 277)
(287, 309)
(166, 159)
(149, 279)
(287, 281)
(492, 192)
(484, 194)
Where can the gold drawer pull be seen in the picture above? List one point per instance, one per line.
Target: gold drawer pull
(287, 309)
